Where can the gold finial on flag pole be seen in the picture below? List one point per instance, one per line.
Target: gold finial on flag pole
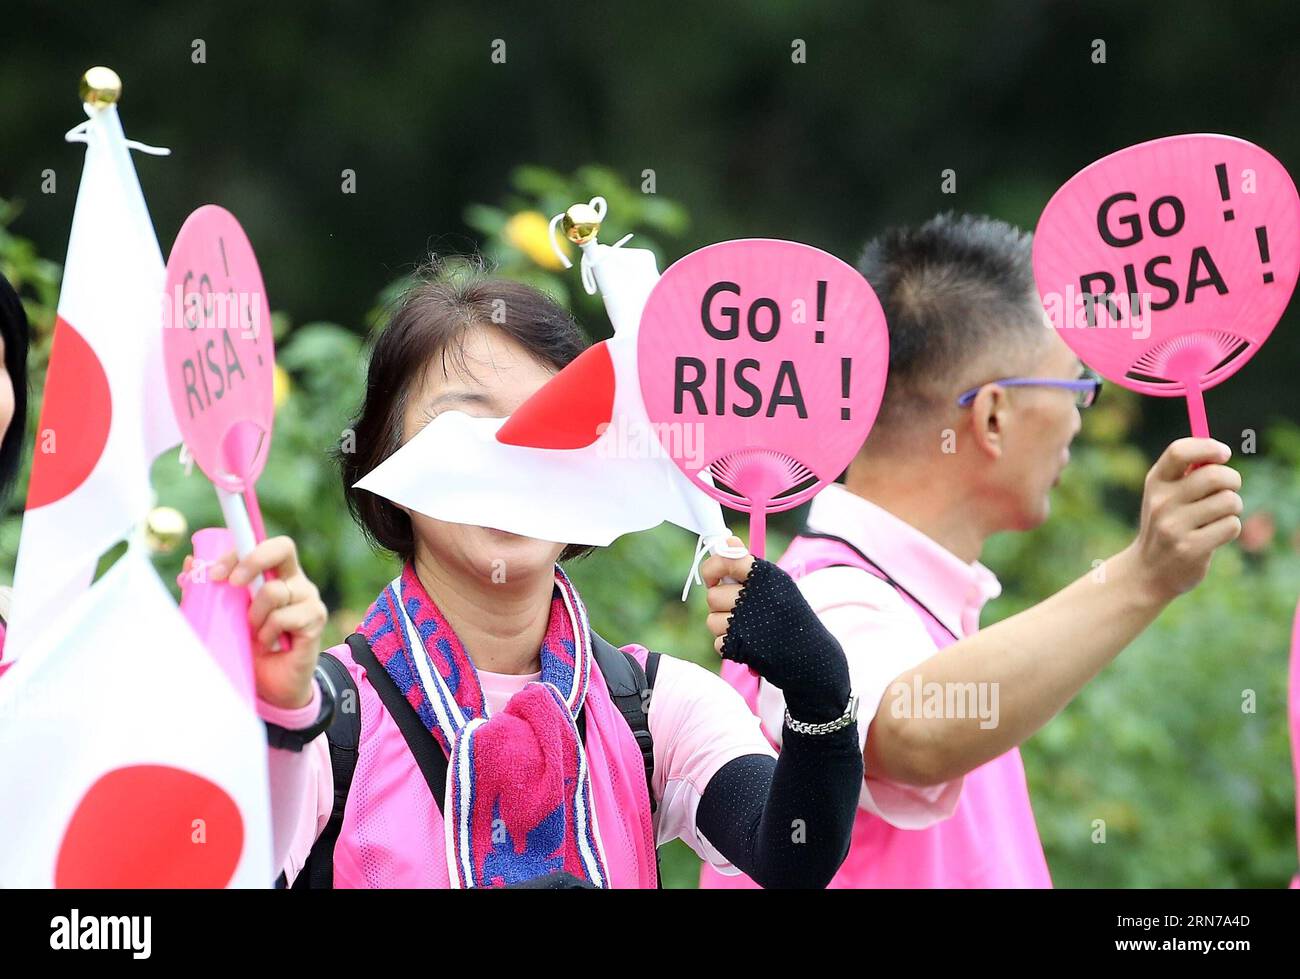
(581, 222)
(165, 529)
(100, 87)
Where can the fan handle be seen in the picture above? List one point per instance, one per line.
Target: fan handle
(1196, 409)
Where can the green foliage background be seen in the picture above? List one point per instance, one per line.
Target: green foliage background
(1179, 748)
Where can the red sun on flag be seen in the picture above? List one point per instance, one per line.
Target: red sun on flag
(77, 412)
(147, 826)
(568, 412)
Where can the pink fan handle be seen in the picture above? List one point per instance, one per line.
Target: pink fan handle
(758, 532)
(726, 551)
(757, 546)
(1196, 410)
(259, 534)
(254, 514)
(244, 518)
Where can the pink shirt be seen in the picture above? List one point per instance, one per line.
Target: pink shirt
(977, 831)
(392, 833)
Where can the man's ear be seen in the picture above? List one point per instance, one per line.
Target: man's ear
(989, 414)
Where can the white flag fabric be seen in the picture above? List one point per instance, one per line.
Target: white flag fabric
(128, 757)
(106, 414)
(578, 462)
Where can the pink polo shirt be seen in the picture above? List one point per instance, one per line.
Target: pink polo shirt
(976, 831)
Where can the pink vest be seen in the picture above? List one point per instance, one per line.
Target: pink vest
(1293, 709)
(990, 840)
(392, 834)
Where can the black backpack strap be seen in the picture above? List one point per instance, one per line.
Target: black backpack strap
(629, 687)
(426, 751)
(651, 670)
(344, 736)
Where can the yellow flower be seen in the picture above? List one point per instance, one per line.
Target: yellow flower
(528, 232)
(280, 385)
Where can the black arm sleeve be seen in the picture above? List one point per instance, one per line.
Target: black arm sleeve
(788, 822)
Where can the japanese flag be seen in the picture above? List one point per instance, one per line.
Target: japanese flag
(106, 414)
(578, 462)
(129, 759)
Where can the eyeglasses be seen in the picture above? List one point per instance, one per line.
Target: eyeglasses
(1086, 389)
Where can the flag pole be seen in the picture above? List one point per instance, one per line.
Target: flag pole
(581, 224)
(240, 526)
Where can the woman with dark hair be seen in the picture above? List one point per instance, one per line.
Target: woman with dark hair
(13, 403)
(484, 695)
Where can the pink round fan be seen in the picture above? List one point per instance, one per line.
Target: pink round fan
(218, 352)
(1165, 265)
(219, 359)
(762, 366)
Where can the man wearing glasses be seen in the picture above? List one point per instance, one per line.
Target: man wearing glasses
(981, 406)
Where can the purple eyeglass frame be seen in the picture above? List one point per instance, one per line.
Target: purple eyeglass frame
(1090, 383)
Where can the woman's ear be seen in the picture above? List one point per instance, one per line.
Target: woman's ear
(989, 413)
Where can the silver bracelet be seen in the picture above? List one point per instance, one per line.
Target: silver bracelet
(844, 720)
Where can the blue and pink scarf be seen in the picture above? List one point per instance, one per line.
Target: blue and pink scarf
(518, 803)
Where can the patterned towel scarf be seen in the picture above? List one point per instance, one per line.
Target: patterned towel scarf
(518, 802)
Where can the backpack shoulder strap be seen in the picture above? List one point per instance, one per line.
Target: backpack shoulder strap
(885, 575)
(344, 736)
(834, 538)
(629, 686)
(426, 751)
